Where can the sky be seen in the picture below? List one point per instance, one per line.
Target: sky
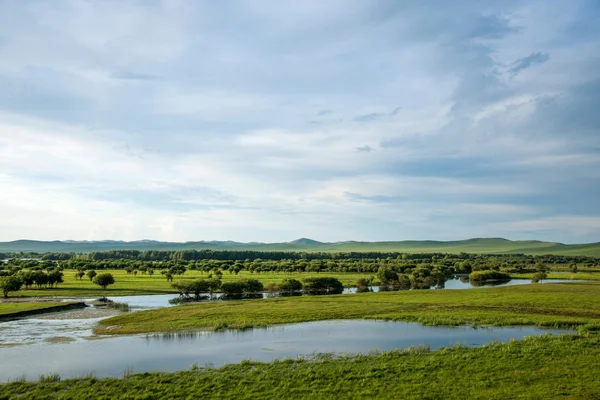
(270, 120)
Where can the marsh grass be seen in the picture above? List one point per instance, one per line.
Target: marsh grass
(49, 378)
(545, 367)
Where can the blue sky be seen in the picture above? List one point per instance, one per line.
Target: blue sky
(269, 121)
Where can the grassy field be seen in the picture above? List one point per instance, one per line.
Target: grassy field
(10, 308)
(547, 367)
(157, 284)
(581, 276)
(559, 305)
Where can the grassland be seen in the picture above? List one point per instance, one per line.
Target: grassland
(562, 367)
(11, 308)
(129, 284)
(556, 305)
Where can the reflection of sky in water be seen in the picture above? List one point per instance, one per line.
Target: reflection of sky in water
(112, 356)
(46, 327)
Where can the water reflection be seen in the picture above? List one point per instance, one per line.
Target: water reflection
(172, 352)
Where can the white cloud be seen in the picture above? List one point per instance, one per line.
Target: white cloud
(183, 121)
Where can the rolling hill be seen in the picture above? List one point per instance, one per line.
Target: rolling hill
(478, 245)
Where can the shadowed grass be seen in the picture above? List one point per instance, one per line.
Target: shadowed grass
(10, 308)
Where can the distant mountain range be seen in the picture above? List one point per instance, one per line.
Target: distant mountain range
(478, 245)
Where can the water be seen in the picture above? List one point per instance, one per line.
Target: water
(73, 326)
(113, 356)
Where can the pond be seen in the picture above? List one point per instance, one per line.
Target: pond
(113, 356)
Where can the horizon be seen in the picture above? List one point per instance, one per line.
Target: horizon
(75, 241)
(256, 120)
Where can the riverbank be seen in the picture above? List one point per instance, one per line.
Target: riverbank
(546, 367)
(14, 310)
(565, 305)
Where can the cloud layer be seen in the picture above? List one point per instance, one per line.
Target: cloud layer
(263, 121)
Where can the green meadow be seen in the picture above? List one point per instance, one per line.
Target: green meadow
(130, 284)
(550, 305)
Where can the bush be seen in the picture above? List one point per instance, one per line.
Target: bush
(362, 285)
(242, 286)
(323, 285)
(386, 275)
(538, 277)
(195, 287)
(488, 275)
(290, 285)
(232, 287)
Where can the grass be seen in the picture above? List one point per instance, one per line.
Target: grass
(582, 276)
(10, 308)
(157, 284)
(557, 305)
(547, 367)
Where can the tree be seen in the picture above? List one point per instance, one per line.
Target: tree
(10, 284)
(362, 285)
(386, 275)
(103, 280)
(55, 277)
(574, 268)
(538, 277)
(91, 274)
(403, 282)
(79, 274)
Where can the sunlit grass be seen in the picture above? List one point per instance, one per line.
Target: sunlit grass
(130, 284)
(556, 305)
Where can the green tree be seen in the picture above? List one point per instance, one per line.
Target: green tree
(538, 277)
(10, 284)
(103, 280)
(386, 275)
(91, 274)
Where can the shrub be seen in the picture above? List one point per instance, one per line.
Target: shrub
(538, 277)
(323, 285)
(290, 285)
(488, 275)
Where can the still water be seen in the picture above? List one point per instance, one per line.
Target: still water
(113, 356)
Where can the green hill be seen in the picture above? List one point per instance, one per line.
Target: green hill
(477, 245)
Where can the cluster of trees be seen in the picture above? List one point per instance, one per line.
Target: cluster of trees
(14, 279)
(199, 288)
(35, 279)
(507, 260)
(399, 264)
